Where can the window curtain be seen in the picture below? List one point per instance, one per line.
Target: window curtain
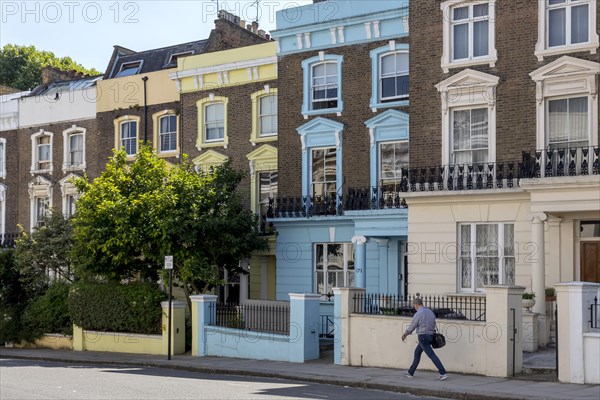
(568, 122)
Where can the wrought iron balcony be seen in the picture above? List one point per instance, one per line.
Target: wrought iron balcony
(577, 161)
(8, 240)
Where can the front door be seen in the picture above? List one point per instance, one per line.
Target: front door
(590, 262)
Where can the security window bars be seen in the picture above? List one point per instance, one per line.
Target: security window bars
(394, 77)
(487, 256)
(267, 118)
(324, 172)
(568, 22)
(324, 85)
(168, 133)
(76, 149)
(470, 136)
(393, 156)
(214, 122)
(334, 266)
(568, 125)
(43, 153)
(129, 137)
(470, 31)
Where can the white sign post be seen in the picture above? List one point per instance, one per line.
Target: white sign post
(169, 267)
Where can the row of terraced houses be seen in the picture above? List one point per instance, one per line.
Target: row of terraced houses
(431, 146)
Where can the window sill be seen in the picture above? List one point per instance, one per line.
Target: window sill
(207, 145)
(41, 171)
(491, 61)
(399, 103)
(265, 139)
(591, 47)
(307, 113)
(68, 167)
(168, 154)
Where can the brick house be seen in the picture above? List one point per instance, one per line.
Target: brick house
(229, 112)
(504, 178)
(343, 137)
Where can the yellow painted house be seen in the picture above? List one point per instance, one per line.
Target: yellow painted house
(229, 103)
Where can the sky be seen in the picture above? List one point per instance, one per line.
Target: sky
(86, 31)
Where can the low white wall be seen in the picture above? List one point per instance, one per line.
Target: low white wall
(70, 106)
(375, 340)
(591, 355)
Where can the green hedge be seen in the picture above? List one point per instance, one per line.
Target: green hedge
(110, 307)
(48, 313)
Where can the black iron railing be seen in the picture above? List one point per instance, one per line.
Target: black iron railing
(458, 307)
(575, 161)
(594, 316)
(252, 317)
(8, 240)
(327, 328)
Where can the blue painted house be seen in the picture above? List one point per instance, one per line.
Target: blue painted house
(343, 134)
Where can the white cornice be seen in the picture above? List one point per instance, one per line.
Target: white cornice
(223, 67)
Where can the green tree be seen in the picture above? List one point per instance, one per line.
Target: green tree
(45, 253)
(13, 298)
(21, 66)
(137, 212)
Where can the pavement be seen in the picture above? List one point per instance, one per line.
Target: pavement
(424, 383)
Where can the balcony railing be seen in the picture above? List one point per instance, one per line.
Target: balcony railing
(8, 240)
(577, 161)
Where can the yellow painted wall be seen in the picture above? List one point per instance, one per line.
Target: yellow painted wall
(128, 91)
(122, 342)
(227, 59)
(49, 341)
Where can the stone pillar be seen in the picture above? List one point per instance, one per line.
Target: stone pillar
(304, 326)
(204, 312)
(177, 327)
(342, 308)
(502, 303)
(244, 281)
(264, 278)
(78, 343)
(530, 331)
(538, 275)
(360, 261)
(573, 300)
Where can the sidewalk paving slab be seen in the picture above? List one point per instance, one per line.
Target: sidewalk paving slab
(424, 383)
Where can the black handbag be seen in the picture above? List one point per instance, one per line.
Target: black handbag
(439, 340)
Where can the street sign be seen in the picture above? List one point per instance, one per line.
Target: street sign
(168, 262)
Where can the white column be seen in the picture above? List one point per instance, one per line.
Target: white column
(264, 281)
(244, 281)
(538, 269)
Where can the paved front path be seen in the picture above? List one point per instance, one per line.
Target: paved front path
(424, 383)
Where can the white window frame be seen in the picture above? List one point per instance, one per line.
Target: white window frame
(312, 183)
(261, 115)
(547, 107)
(129, 138)
(451, 144)
(468, 89)
(34, 152)
(126, 65)
(543, 50)
(68, 190)
(380, 161)
(67, 133)
(347, 251)
(2, 210)
(3, 160)
(156, 118)
(473, 255)
(39, 188)
(201, 142)
(216, 121)
(160, 133)
(562, 78)
(396, 75)
(447, 61)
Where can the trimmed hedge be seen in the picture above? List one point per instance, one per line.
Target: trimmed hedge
(111, 307)
(48, 313)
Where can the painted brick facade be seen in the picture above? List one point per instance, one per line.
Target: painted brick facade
(356, 94)
(516, 37)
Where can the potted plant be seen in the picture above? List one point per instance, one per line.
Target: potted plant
(528, 300)
(550, 294)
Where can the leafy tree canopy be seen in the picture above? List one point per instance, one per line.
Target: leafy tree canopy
(21, 66)
(138, 211)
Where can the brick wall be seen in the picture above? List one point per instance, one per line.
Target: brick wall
(239, 125)
(228, 35)
(97, 150)
(356, 94)
(516, 36)
(10, 181)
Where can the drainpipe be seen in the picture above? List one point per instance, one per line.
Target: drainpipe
(145, 79)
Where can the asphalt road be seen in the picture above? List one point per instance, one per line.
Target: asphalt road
(29, 379)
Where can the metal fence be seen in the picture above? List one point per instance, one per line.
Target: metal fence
(457, 307)
(327, 330)
(252, 317)
(8, 240)
(594, 316)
